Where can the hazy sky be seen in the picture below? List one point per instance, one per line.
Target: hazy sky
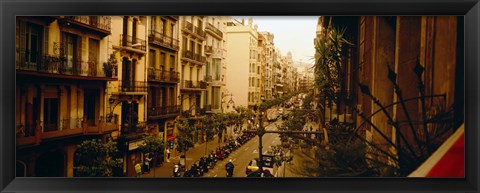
(292, 33)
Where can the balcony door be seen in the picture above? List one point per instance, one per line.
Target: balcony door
(50, 114)
(30, 43)
(71, 50)
(93, 50)
(129, 116)
(91, 104)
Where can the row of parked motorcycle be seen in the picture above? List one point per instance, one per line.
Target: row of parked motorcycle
(208, 162)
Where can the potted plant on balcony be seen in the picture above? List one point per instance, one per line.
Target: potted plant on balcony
(111, 64)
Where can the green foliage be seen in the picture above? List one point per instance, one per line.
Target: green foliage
(95, 159)
(110, 65)
(276, 101)
(153, 144)
(329, 58)
(280, 155)
(185, 136)
(295, 121)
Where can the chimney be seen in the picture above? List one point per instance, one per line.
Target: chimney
(243, 21)
(250, 22)
(255, 27)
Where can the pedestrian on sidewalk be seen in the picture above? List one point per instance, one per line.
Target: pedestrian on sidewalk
(168, 154)
(147, 162)
(138, 169)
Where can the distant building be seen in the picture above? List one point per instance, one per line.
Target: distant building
(243, 67)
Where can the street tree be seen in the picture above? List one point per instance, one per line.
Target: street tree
(153, 145)
(281, 155)
(93, 158)
(184, 137)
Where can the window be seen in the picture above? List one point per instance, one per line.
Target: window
(93, 58)
(163, 26)
(163, 60)
(50, 114)
(90, 105)
(71, 47)
(216, 97)
(199, 49)
(172, 30)
(153, 23)
(31, 40)
(172, 62)
(152, 58)
(185, 43)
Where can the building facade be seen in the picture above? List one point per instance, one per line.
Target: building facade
(392, 54)
(215, 69)
(163, 76)
(127, 96)
(243, 68)
(60, 90)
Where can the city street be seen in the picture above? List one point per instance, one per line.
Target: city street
(240, 157)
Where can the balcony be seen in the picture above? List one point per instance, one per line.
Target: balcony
(217, 53)
(129, 43)
(199, 32)
(163, 76)
(97, 24)
(214, 31)
(192, 57)
(163, 111)
(188, 28)
(31, 63)
(188, 84)
(174, 17)
(163, 40)
(208, 50)
(208, 78)
(132, 86)
(66, 127)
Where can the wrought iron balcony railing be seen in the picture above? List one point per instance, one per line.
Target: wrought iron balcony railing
(132, 86)
(99, 22)
(163, 40)
(199, 31)
(187, 26)
(214, 30)
(162, 75)
(33, 61)
(187, 54)
(135, 43)
(188, 84)
(164, 110)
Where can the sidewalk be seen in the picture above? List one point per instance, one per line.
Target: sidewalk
(192, 155)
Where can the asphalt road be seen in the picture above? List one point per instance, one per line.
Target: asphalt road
(242, 156)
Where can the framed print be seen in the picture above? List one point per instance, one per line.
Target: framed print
(239, 96)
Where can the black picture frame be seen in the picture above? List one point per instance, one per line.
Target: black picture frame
(9, 9)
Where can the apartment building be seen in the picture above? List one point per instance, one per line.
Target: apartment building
(127, 96)
(163, 76)
(268, 52)
(60, 90)
(215, 68)
(243, 68)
